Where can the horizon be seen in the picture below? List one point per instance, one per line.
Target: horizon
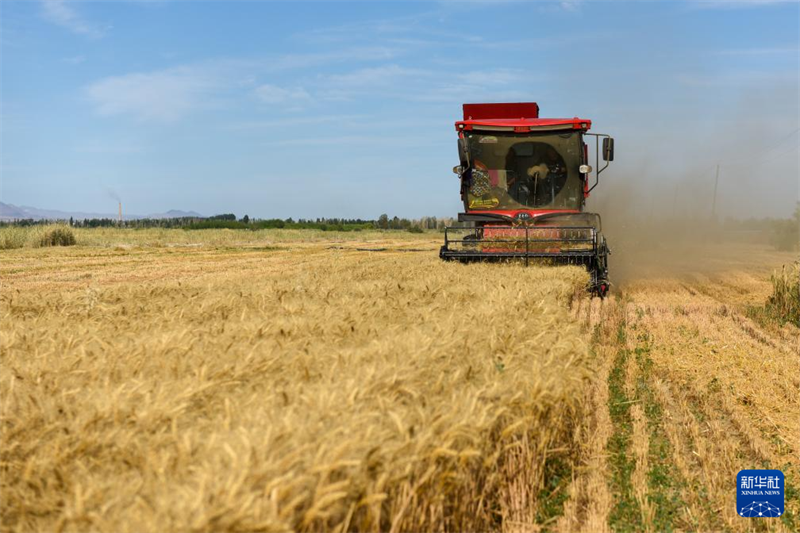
(346, 110)
(177, 213)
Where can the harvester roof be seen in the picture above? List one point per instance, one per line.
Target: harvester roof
(519, 117)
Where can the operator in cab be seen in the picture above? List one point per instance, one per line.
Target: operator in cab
(537, 176)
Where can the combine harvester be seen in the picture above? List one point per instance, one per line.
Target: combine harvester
(524, 183)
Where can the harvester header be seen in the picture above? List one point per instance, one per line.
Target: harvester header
(524, 184)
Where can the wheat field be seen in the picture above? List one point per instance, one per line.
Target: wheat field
(285, 380)
(286, 386)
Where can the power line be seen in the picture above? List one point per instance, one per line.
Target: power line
(765, 150)
(780, 141)
(791, 149)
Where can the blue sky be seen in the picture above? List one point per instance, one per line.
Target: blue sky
(346, 109)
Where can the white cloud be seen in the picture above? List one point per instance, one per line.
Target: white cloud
(348, 55)
(499, 76)
(339, 120)
(272, 94)
(161, 96)
(414, 84)
(413, 29)
(374, 76)
(384, 80)
(169, 95)
(570, 5)
(59, 12)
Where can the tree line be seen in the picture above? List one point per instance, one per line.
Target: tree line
(231, 221)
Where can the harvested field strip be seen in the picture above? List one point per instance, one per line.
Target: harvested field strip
(589, 501)
(676, 441)
(730, 405)
(626, 514)
(645, 482)
(598, 498)
(664, 481)
(706, 390)
(714, 350)
(721, 453)
(683, 433)
(307, 390)
(555, 492)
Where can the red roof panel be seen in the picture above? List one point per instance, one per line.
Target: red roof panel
(503, 110)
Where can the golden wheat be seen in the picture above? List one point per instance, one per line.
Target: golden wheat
(306, 387)
(785, 299)
(17, 237)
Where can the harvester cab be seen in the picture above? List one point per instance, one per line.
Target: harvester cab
(524, 184)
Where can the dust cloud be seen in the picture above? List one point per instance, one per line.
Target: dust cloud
(692, 184)
(665, 221)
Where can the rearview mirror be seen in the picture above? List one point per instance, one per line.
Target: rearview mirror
(462, 150)
(608, 149)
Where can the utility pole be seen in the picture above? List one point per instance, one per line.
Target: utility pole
(675, 202)
(714, 203)
(652, 205)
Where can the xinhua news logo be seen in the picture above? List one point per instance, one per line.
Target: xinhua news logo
(759, 493)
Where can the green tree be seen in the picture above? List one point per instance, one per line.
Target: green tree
(797, 213)
(383, 221)
(786, 232)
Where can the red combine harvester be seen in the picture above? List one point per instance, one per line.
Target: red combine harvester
(524, 183)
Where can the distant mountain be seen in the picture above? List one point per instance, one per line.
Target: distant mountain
(8, 211)
(176, 213)
(12, 212)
